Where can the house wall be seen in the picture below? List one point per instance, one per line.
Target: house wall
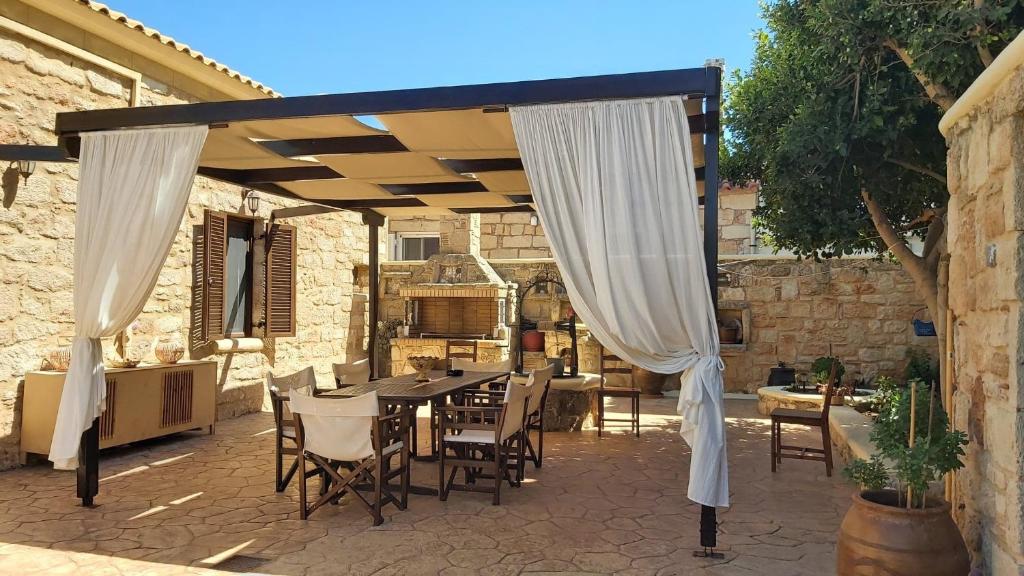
(37, 244)
(986, 216)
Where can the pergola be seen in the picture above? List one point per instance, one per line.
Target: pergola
(443, 150)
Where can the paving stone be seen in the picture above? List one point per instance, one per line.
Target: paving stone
(614, 505)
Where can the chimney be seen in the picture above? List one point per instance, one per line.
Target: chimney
(460, 234)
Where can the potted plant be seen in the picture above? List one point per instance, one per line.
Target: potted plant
(895, 526)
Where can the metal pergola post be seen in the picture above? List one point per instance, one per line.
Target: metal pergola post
(712, 107)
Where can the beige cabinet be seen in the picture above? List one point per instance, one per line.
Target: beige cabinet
(143, 402)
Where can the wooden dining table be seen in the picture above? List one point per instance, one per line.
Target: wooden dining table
(406, 392)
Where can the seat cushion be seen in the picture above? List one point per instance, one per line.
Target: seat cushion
(472, 436)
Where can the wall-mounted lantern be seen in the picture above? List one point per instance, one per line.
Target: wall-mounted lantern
(252, 198)
(26, 168)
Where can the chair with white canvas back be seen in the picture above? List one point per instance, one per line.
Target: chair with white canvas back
(350, 444)
(497, 366)
(535, 414)
(353, 373)
(280, 388)
(494, 432)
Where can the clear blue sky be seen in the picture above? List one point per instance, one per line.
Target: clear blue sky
(322, 46)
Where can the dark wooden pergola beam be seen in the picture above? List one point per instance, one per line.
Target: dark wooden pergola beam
(492, 209)
(431, 188)
(340, 145)
(15, 152)
(298, 211)
(688, 81)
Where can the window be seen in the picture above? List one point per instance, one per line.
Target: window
(238, 278)
(244, 278)
(419, 246)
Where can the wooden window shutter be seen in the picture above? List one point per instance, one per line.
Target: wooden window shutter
(215, 230)
(280, 278)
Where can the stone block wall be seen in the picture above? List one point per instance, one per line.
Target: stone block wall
(511, 236)
(858, 310)
(986, 281)
(37, 220)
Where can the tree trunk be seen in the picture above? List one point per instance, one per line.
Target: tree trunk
(924, 276)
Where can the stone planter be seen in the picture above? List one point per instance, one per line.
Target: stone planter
(878, 537)
(771, 397)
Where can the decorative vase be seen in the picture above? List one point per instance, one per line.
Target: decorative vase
(880, 537)
(422, 365)
(650, 383)
(533, 341)
(59, 358)
(169, 352)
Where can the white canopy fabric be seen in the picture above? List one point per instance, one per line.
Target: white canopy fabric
(132, 191)
(615, 190)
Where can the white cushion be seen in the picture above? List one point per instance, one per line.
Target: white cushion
(472, 436)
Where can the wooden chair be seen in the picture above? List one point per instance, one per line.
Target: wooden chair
(535, 415)
(357, 372)
(632, 392)
(352, 446)
(280, 388)
(498, 366)
(465, 349)
(453, 350)
(483, 439)
(812, 418)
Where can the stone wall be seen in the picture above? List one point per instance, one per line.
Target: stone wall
(512, 236)
(858, 310)
(37, 246)
(986, 216)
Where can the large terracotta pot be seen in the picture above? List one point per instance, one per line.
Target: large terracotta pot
(877, 537)
(649, 382)
(533, 341)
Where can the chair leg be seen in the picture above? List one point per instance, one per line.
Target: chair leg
(378, 479)
(600, 414)
(278, 464)
(774, 447)
(500, 466)
(521, 457)
(404, 460)
(442, 493)
(826, 444)
(636, 414)
(303, 512)
(540, 441)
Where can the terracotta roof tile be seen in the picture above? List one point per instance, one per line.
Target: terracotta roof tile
(180, 47)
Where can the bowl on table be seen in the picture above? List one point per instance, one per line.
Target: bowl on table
(422, 365)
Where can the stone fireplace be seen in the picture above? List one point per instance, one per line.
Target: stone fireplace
(455, 294)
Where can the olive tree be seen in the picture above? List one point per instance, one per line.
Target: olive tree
(837, 118)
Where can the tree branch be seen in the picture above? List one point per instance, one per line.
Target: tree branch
(983, 51)
(938, 93)
(919, 169)
(894, 241)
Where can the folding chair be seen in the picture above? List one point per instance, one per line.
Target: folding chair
(280, 387)
(352, 445)
(494, 432)
(357, 372)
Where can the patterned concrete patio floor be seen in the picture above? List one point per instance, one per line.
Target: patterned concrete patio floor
(614, 505)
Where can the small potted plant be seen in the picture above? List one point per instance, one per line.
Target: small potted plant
(895, 526)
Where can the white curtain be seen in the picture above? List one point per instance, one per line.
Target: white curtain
(616, 194)
(132, 191)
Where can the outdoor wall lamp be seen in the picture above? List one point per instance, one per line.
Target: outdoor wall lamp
(26, 168)
(252, 198)
(533, 219)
